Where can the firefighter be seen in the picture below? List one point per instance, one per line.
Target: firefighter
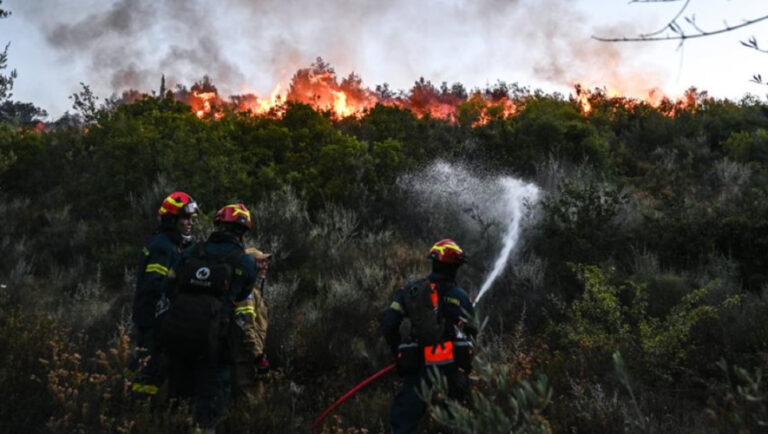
(249, 337)
(177, 215)
(210, 279)
(439, 336)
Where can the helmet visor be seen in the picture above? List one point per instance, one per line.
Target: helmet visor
(191, 209)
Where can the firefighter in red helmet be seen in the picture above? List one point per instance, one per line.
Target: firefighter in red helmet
(210, 280)
(439, 337)
(177, 215)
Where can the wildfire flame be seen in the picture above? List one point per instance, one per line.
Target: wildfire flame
(611, 99)
(275, 99)
(582, 97)
(201, 102)
(319, 87)
(340, 106)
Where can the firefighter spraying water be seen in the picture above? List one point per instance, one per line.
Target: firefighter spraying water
(440, 334)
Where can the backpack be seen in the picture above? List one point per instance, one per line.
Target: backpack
(197, 322)
(423, 308)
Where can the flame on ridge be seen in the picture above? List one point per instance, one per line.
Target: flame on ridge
(611, 99)
(319, 87)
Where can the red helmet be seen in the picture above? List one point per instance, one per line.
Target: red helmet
(178, 203)
(235, 213)
(447, 252)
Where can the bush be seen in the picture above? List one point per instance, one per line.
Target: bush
(24, 336)
(739, 405)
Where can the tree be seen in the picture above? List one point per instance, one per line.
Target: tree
(6, 81)
(13, 111)
(21, 113)
(84, 103)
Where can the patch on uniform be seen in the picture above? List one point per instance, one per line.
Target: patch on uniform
(452, 300)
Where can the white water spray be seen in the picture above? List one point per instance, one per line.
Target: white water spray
(451, 195)
(516, 194)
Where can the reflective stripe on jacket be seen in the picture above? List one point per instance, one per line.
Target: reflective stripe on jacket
(440, 354)
(159, 256)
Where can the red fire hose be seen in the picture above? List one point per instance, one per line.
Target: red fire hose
(346, 396)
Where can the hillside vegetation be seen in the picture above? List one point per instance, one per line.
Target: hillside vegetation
(635, 301)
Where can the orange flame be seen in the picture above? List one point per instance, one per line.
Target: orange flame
(504, 108)
(201, 102)
(582, 97)
(610, 99)
(274, 100)
(319, 87)
(340, 106)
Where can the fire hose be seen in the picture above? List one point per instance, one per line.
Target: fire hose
(387, 369)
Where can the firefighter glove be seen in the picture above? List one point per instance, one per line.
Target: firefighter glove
(262, 365)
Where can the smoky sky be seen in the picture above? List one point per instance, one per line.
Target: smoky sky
(253, 44)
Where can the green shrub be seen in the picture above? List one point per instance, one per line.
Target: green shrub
(24, 336)
(504, 398)
(598, 322)
(741, 404)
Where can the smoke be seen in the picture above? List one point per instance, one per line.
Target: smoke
(251, 45)
(131, 43)
(568, 55)
(124, 19)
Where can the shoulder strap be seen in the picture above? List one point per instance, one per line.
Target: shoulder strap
(200, 250)
(434, 295)
(232, 257)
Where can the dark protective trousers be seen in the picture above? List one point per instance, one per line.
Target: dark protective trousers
(151, 376)
(408, 408)
(205, 384)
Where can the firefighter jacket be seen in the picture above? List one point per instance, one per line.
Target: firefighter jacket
(158, 257)
(453, 305)
(251, 333)
(247, 340)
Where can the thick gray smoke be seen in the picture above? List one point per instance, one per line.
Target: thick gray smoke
(251, 45)
(130, 43)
